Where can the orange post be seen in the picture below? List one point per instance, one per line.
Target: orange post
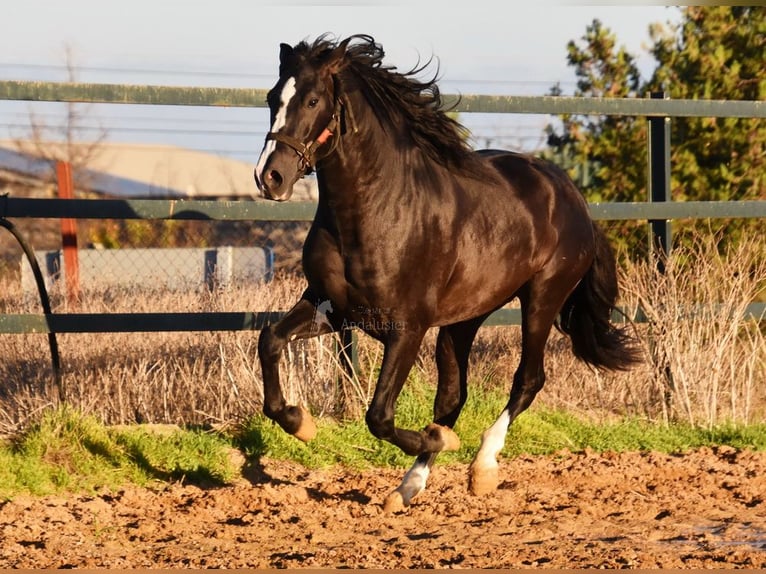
(69, 234)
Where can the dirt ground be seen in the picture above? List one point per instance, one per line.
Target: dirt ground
(634, 510)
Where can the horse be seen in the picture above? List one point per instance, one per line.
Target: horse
(413, 230)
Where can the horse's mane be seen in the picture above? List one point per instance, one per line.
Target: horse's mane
(401, 98)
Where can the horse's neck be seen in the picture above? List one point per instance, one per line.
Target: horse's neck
(352, 183)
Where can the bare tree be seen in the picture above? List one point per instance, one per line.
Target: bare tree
(65, 141)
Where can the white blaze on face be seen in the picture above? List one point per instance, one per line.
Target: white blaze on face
(288, 91)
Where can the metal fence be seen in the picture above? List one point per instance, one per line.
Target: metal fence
(655, 109)
(12, 208)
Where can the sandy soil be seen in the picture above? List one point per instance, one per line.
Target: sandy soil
(636, 510)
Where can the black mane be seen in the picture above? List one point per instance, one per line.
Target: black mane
(401, 98)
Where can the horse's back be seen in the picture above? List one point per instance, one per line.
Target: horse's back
(530, 173)
(542, 188)
(524, 215)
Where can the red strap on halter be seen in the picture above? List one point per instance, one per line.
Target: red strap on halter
(324, 136)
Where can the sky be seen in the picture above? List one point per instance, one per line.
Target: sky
(498, 47)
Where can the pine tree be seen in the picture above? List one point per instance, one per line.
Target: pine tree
(718, 53)
(606, 155)
(715, 52)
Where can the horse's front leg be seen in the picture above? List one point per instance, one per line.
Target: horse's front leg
(301, 322)
(400, 350)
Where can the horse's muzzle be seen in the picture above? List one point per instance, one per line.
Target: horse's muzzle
(272, 185)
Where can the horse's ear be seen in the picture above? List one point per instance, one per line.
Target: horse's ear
(285, 55)
(337, 60)
(285, 51)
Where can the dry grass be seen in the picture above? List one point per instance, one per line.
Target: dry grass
(707, 363)
(695, 339)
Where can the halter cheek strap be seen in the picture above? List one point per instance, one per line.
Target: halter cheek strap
(306, 151)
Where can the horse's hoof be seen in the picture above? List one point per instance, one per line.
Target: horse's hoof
(394, 503)
(483, 480)
(307, 429)
(449, 438)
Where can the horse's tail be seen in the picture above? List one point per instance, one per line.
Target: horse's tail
(586, 314)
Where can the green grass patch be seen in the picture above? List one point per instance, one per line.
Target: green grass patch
(536, 432)
(67, 451)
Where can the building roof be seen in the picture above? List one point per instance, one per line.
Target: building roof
(146, 171)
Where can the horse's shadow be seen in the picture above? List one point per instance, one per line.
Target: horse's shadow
(255, 473)
(350, 495)
(254, 446)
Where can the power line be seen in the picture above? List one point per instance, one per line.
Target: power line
(116, 118)
(55, 121)
(527, 132)
(148, 71)
(269, 77)
(184, 131)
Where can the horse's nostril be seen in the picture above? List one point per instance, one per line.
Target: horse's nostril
(275, 177)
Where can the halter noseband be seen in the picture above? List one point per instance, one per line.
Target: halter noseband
(306, 151)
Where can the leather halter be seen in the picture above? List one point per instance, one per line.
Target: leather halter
(306, 150)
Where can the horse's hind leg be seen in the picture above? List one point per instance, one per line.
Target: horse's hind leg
(400, 350)
(541, 299)
(453, 345)
(300, 322)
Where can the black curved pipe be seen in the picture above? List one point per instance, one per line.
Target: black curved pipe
(44, 300)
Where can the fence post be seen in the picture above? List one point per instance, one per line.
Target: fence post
(350, 351)
(660, 233)
(347, 350)
(69, 235)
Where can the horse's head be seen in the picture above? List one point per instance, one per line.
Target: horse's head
(305, 118)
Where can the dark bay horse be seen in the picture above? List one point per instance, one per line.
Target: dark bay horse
(414, 230)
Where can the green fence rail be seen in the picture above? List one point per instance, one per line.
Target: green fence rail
(263, 210)
(27, 323)
(468, 103)
(135, 322)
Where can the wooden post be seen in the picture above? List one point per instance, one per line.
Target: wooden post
(69, 235)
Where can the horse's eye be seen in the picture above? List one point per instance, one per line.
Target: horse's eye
(313, 102)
